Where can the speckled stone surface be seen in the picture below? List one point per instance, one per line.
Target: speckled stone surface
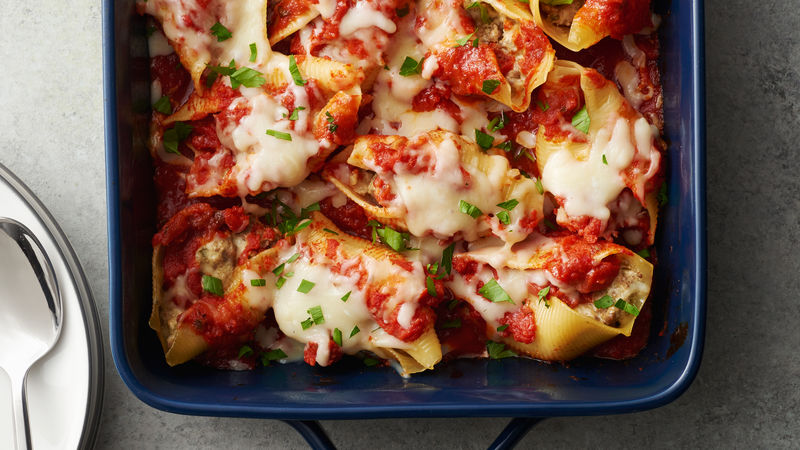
(747, 393)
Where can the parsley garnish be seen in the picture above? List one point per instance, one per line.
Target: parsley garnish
(355, 331)
(463, 41)
(469, 209)
(174, 136)
(539, 186)
(328, 230)
(393, 238)
(305, 287)
(258, 282)
(212, 285)
(447, 258)
(604, 302)
(482, 9)
(543, 296)
(280, 135)
(663, 199)
(253, 52)
(452, 304)
(627, 307)
(503, 217)
(498, 350)
(581, 120)
(411, 67)
(369, 362)
(430, 286)
(332, 127)
(244, 351)
(605, 161)
(247, 77)
(346, 296)
(281, 281)
(644, 253)
(498, 123)
(337, 336)
(163, 105)
(543, 106)
(295, 113)
(306, 324)
(272, 355)
(295, 72)
(222, 33)
(495, 293)
(502, 328)
(490, 86)
(484, 140)
(509, 205)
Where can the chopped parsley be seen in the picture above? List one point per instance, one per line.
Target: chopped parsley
(509, 205)
(346, 296)
(222, 33)
(484, 14)
(663, 198)
(150, 30)
(604, 302)
(295, 113)
(295, 72)
(337, 336)
(469, 209)
(253, 52)
(281, 281)
(542, 105)
(502, 328)
(543, 296)
(175, 135)
(550, 225)
(328, 230)
(447, 258)
(430, 286)
(245, 351)
(280, 135)
(163, 105)
(355, 331)
(212, 285)
(539, 186)
(455, 323)
(503, 217)
(605, 161)
(452, 304)
(258, 282)
(490, 86)
(498, 123)
(627, 307)
(305, 287)
(581, 120)
(495, 293)
(272, 355)
(369, 362)
(411, 67)
(463, 41)
(644, 253)
(306, 324)
(484, 140)
(389, 236)
(332, 126)
(498, 350)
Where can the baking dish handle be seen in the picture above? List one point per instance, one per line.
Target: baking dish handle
(316, 437)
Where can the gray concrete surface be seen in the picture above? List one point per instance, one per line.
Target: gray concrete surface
(747, 393)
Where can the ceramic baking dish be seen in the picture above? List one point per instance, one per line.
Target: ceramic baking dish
(511, 387)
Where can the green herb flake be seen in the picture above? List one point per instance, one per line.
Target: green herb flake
(346, 296)
(369, 362)
(245, 351)
(295, 72)
(490, 86)
(663, 198)
(328, 230)
(430, 286)
(498, 350)
(502, 328)
(469, 209)
(293, 258)
(605, 161)
(337, 336)
(212, 285)
(247, 77)
(498, 123)
(306, 324)
(485, 141)
(509, 205)
(452, 304)
(455, 323)
(175, 135)
(484, 14)
(463, 41)
(557, 2)
(272, 355)
(163, 105)
(305, 287)
(222, 33)
(542, 105)
(281, 281)
(253, 52)
(355, 331)
(150, 30)
(604, 302)
(539, 185)
(581, 120)
(447, 258)
(644, 253)
(411, 67)
(503, 217)
(280, 135)
(550, 225)
(475, 43)
(495, 293)
(332, 126)
(258, 282)
(295, 113)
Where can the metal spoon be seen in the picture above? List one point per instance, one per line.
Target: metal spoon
(30, 313)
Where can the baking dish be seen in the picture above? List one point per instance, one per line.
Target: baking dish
(516, 387)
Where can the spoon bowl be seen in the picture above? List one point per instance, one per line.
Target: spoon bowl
(30, 313)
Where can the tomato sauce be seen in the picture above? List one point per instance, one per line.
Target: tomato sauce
(461, 329)
(626, 347)
(573, 263)
(349, 217)
(466, 67)
(422, 319)
(521, 325)
(616, 17)
(174, 80)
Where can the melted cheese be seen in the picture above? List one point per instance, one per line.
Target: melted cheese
(364, 15)
(587, 186)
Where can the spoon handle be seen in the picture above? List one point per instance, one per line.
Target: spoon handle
(22, 432)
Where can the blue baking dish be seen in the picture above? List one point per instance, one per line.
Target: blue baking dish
(464, 388)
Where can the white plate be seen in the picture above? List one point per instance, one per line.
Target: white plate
(65, 388)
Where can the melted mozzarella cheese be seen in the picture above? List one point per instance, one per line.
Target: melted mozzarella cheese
(158, 45)
(587, 186)
(364, 15)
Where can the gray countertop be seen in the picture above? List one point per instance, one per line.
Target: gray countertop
(748, 390)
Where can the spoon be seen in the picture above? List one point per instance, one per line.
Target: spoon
(30, 313)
